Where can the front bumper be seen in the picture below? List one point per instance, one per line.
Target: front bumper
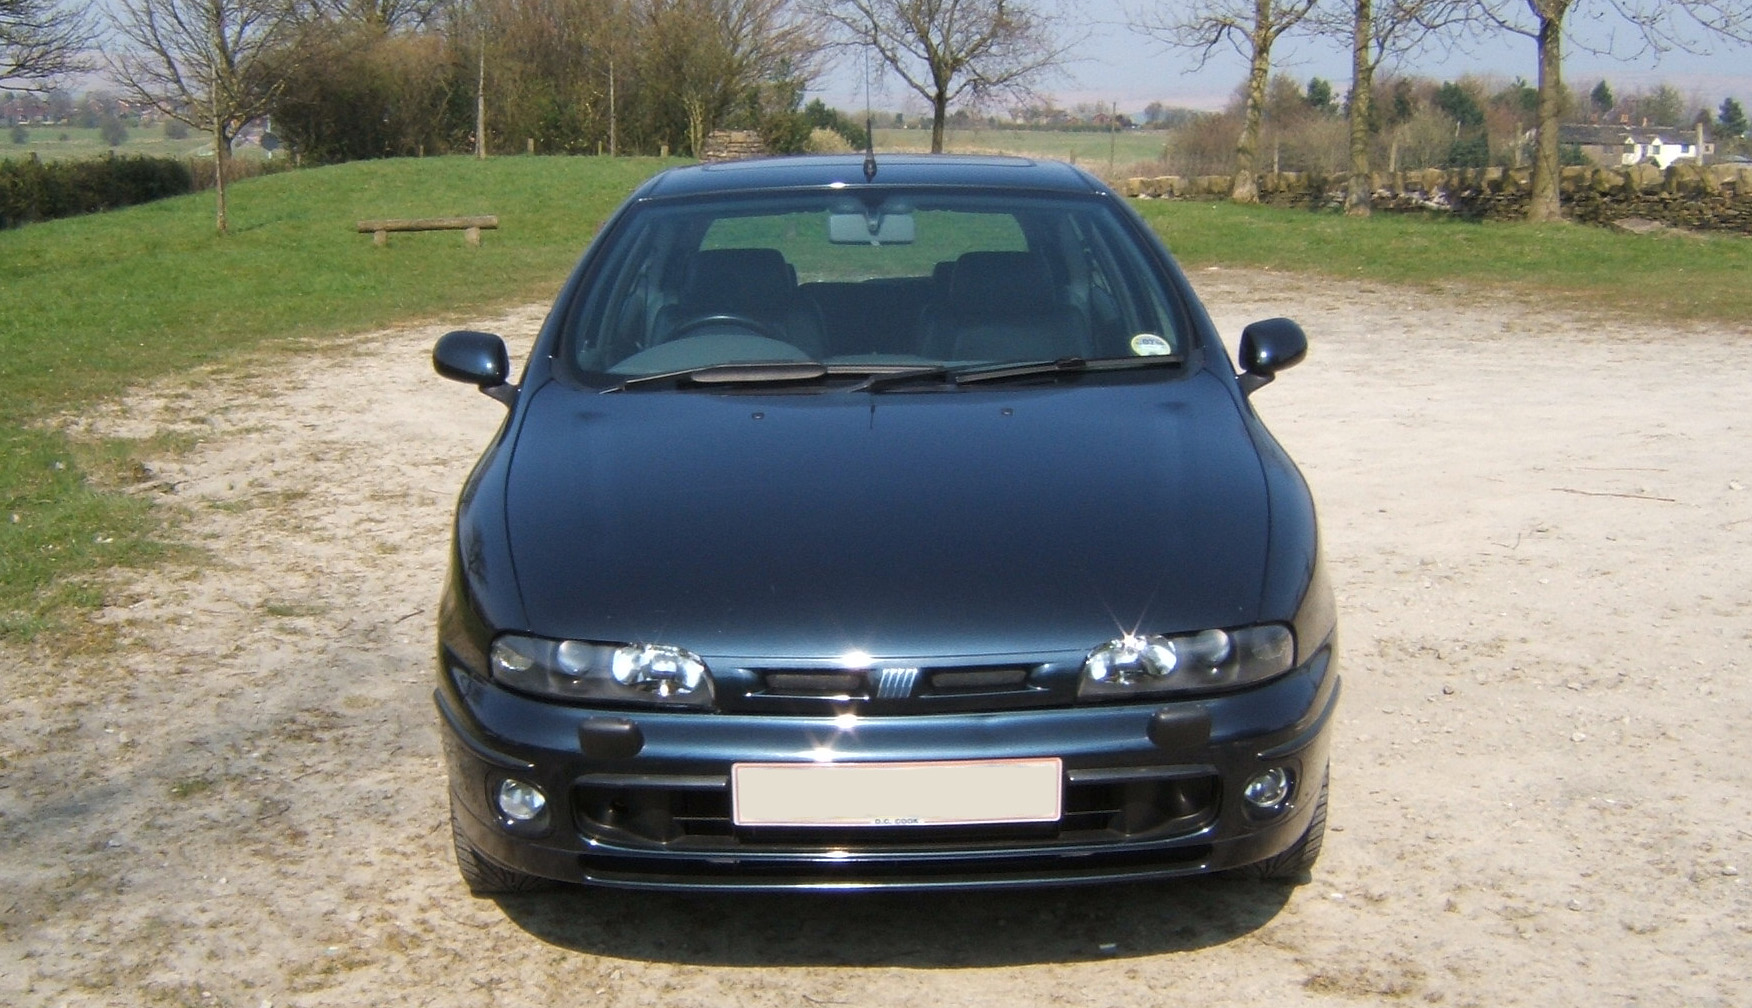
(642, 799)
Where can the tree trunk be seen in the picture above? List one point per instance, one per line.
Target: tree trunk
(695, 107)
(1359, 190)
(1245, 188)
(481, 100)
(939, 111)
(1545, 204)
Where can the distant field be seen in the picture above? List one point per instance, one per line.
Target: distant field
(1091, 150)
(47, 143)
(1094, 151)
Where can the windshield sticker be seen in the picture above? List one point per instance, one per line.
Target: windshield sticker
(1150, 345)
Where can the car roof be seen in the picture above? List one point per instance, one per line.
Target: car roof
(847, 170)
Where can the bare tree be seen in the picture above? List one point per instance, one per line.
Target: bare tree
(950, 50)
(387, 14)
(1655, 25)
(1379, 31)
(213, 64)
(40, 42)
(1251, 27)
(704, 57)
(1365, 43)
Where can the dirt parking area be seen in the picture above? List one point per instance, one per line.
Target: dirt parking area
(1538, 524)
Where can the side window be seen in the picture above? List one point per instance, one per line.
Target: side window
(1125, 299)
(634, 286)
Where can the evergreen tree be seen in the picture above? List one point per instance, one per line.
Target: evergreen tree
(1731, 121)
(1459, 103)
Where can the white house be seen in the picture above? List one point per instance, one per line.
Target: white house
(1661, 148)
(1624, 145)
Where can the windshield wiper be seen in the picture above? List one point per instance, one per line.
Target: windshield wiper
(879, 380)
(721, 375)
(875, 378)
(1063, 365)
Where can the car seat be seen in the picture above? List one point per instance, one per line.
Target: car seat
(1002, 306)
(754, 283)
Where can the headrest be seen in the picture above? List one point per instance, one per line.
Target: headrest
(741, 280)
(999, 283)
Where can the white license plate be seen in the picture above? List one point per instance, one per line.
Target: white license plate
(943, 793)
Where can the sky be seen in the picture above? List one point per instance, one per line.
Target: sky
(1117, 65)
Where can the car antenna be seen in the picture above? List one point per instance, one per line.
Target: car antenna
(869, 150)
(869, 126)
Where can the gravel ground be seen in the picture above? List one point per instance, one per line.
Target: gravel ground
(1538, 529)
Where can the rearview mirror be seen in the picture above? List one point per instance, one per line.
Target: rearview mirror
(870, 229)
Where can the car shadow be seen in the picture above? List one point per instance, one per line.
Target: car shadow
(916, 930)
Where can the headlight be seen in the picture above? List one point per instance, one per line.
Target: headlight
(1202, 662)
(580, 670)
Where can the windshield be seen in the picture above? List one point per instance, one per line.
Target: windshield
(890, 279)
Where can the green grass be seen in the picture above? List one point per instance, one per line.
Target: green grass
(93, 305)
(97, 303)
(1679, 275)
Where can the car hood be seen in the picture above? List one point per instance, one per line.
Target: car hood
(979, 522)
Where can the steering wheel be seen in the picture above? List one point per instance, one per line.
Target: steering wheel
(723, 319)
(707, 349)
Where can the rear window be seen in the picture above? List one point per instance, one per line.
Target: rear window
(939, 236)
(874, 278)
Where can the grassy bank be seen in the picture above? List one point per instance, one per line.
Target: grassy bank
(102, 301)
(94, 304)
(90, 306)
(1679, 275)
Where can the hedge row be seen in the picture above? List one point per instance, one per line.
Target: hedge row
(33, 190)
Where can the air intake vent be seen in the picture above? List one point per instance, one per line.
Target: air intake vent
(897, 689)
(831, 685)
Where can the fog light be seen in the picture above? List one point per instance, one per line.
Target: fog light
(1268, 790)
(520, 802)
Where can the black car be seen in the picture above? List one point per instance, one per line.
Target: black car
(882, 523)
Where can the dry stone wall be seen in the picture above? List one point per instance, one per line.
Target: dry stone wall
(732, 145)
(1709, 198)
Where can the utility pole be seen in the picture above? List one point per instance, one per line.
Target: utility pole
(1112, 136)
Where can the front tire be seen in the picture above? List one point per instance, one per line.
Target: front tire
(483, 877)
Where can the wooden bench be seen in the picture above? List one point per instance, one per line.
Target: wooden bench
(469, 226)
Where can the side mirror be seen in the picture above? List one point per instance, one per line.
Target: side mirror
(477, 358)
(1267, 347)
